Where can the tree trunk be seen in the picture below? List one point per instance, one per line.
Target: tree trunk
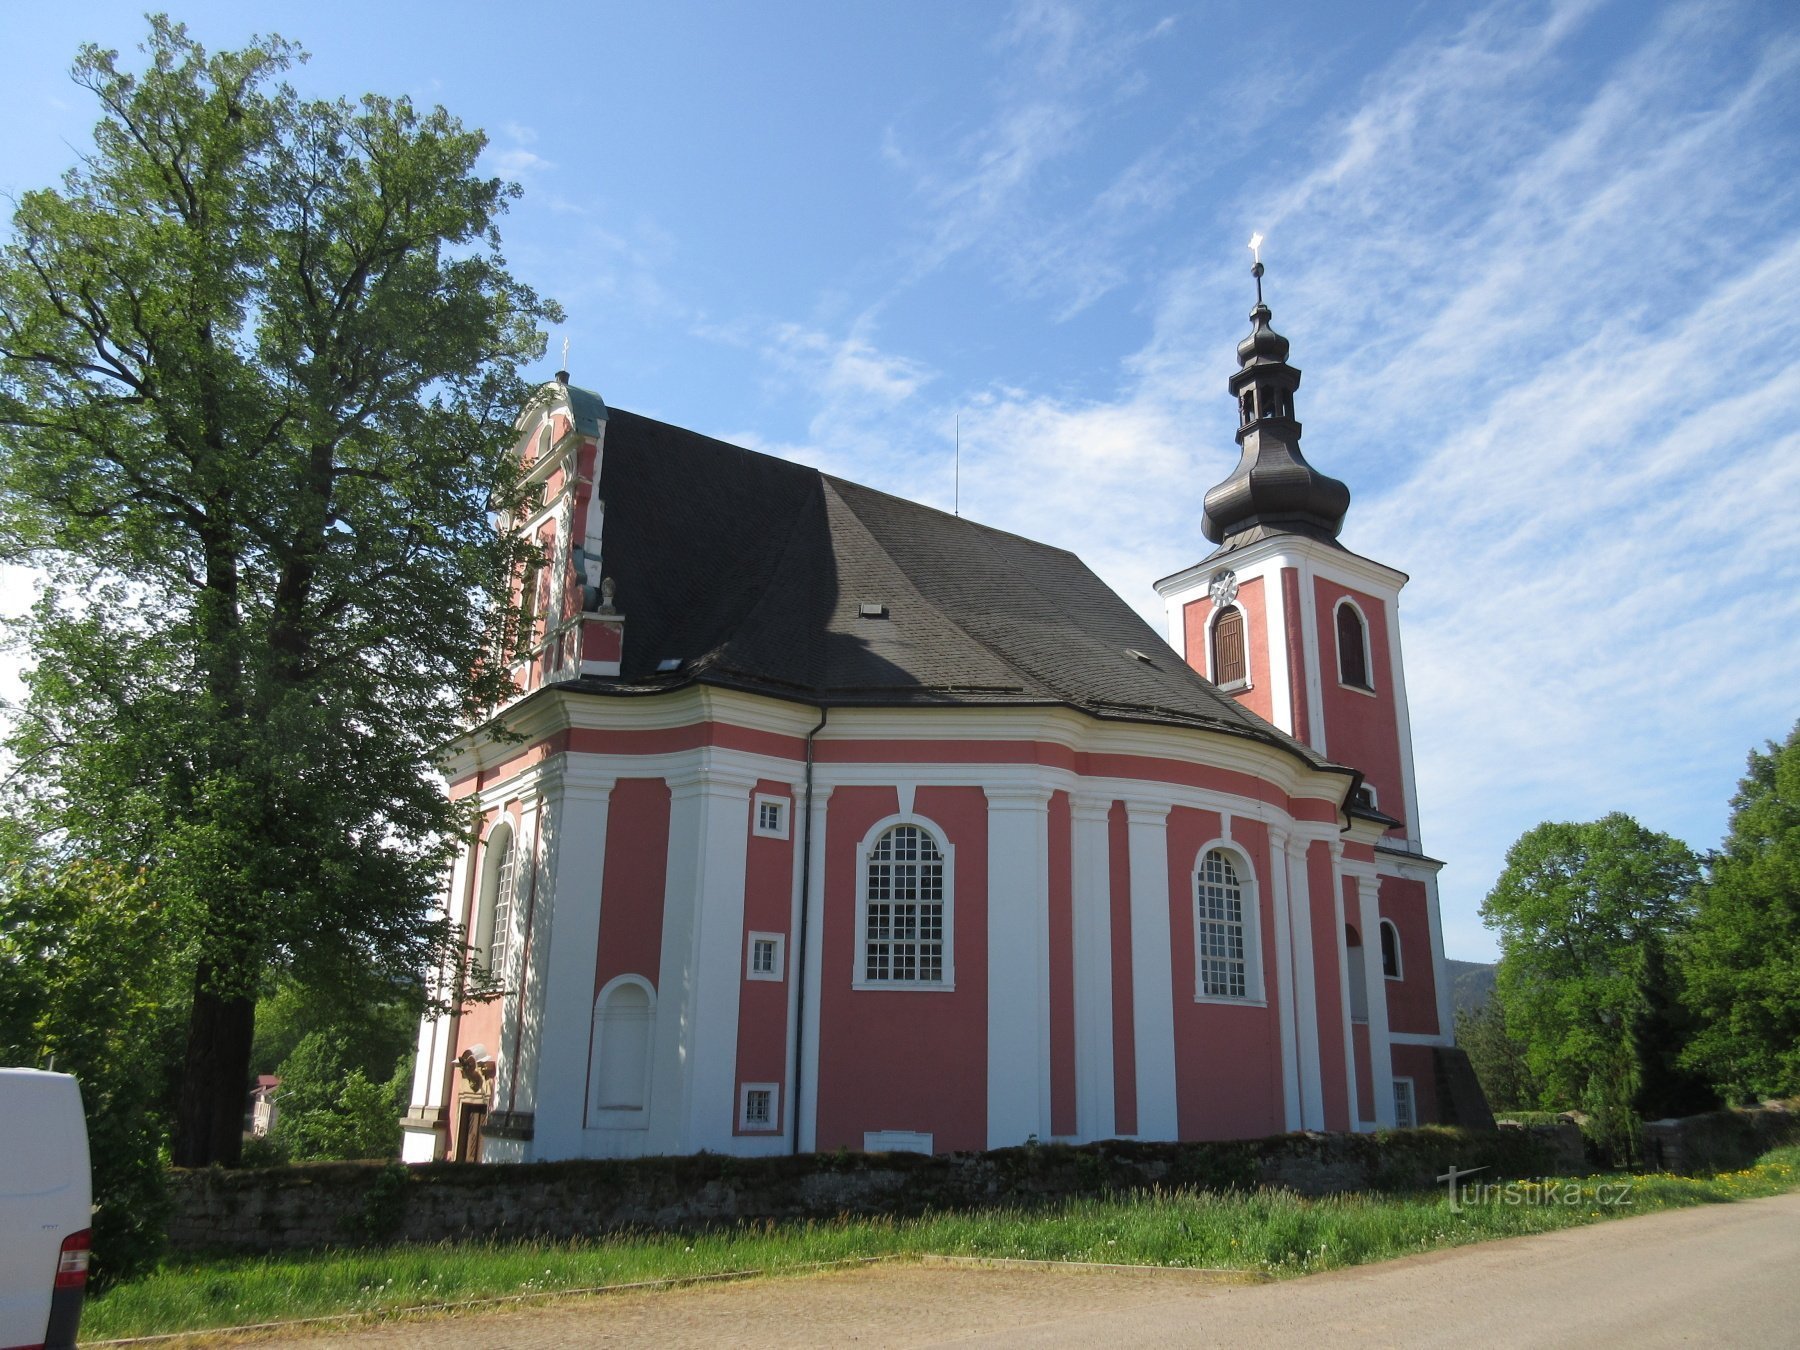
(215, 1084)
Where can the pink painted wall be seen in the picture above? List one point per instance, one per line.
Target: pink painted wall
(1195, 616)
(1416, 1062)
(1412, 1000)
(1328, 938)
(1227, 1058)
(1118, 855)
(1361, 729)
(1062, 968)
(904, 1059)
(631, 889)
(768, 908)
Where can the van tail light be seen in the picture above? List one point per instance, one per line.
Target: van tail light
(72, 1261)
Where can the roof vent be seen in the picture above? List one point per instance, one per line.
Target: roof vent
(668, 664)
(1136, 655)
(869, 609)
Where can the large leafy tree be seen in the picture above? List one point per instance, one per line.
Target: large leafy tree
(259, 361)
(1586, 915)
(1742, 959)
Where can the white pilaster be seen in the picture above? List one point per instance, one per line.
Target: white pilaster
(1306, 990)
(1381, 1059)
(1342, 947)
(1092, 906)
(694, 1098)
(568, 930)
(1281, 678)
(1153, 1002)
(806, 1109)
(432, 1059)
(1018, 904)
(1284, 978)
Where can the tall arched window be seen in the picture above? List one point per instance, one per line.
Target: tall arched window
(1225, 931)
(1353, 647)
(624, 1031)
(905, 911)
(1229, 667)
(1390, 950)
(494, 909)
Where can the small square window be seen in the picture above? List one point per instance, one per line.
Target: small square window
(770, 819)
(764, 960)
(756, 1107)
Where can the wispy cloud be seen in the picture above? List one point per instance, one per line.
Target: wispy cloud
(1551, 330)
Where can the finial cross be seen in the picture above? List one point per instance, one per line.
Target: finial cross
(565, 360)
(1255, 248)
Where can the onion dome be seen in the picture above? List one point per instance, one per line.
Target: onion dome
(1273, 490)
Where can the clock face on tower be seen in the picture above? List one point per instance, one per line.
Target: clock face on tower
(1224, 588)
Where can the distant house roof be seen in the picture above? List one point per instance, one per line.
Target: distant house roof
(757, 573)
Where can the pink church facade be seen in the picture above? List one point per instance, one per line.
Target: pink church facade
(823, 820)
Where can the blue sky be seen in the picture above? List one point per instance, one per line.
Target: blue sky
(1539, 262)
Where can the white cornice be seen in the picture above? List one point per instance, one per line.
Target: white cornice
(1281, 550)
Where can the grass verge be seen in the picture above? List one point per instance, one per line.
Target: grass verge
(1268, 1232)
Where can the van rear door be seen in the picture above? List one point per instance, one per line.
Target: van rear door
(45, 1194)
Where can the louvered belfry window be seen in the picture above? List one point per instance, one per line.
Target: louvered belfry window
(1228, 648)
(1353, 653)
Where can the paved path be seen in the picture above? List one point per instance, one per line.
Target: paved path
(1716, 1275)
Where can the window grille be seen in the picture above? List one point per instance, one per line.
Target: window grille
(768, 816)
(1405, 1118)
(758, 1107)
(1220, 929)
(499, 945)
(762, 957)
(904, 937)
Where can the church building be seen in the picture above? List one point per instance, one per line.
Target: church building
(823, 819)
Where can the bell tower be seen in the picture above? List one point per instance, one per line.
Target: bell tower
(1282, 616)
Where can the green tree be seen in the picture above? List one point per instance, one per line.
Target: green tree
(90, 986)
(378, 1025)
(259, 362)
(1498, 1057)
(1585, 915)
(328, 1108)
(1742, 960)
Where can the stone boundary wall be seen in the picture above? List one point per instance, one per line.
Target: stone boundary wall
(1719, 1140)
(348, 1204)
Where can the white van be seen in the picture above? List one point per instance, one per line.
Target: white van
(46, 1206)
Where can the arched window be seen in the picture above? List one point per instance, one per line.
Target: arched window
(906, 920)
(624, 1031)
(1226, 946)
(1390, 950)
(1353, 647)
(1359, 975)
(494, 909)
(1230, 670)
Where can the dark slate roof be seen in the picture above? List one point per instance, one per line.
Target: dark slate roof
(751, 571)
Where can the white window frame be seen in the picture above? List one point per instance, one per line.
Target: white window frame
(1368, 651)
(1250, 908)
(779, 972)
(782, 805)
(1412, 1104)
(1389, 926)
(859, 955)
(1212, 649)
(621, 1117)
(770, 1126)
